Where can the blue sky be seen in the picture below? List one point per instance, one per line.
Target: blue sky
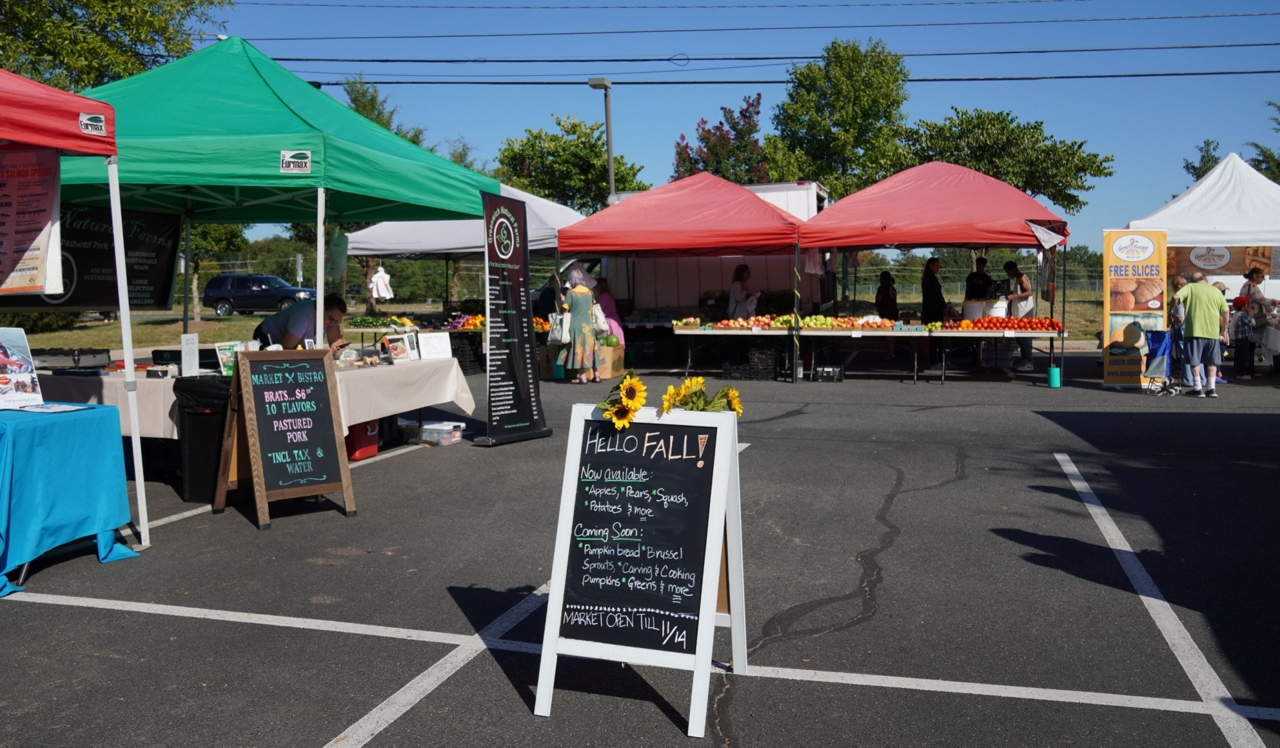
(1149, 125)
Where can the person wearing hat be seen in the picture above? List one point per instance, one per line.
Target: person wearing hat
(1206, 332)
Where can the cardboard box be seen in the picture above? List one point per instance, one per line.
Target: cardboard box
(613, 366)
(548, 369)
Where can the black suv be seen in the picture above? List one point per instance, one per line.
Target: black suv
(245, 293)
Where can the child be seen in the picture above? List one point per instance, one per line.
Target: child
(1242, 331)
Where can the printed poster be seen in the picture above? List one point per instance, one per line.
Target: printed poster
(19, 386)
(29, 197)
(1134, 303)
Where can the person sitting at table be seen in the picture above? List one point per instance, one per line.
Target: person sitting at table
(742, 303)
(978, 286)
(289, 327)
(887, 304)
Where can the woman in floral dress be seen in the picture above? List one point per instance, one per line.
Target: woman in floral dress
(582, 354)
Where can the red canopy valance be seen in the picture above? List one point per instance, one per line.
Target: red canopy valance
(33, 114)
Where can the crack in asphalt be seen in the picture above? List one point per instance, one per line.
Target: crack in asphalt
(782, 626)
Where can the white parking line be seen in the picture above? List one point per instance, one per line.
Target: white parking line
(181, 515)
(491, 638)
(1217, 699)
(403, 700)
(230, 616)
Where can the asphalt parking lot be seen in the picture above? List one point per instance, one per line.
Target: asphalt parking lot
(924, 564)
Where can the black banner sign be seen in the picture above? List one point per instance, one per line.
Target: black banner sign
(515, 406)
(640, 522)
(294, 423)
(89, 262)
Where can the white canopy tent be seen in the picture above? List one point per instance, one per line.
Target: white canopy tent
(445, 239)
(1232, 206)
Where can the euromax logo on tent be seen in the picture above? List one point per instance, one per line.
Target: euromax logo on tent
(295, 162)
(93, 124)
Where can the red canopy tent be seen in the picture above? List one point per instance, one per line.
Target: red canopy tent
(933, 205)
(698, 215)
(33, 115)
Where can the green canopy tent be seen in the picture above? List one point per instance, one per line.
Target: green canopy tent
(227, 135)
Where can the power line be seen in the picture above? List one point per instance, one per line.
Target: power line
(682, 59)
(818, 27)
(998, 79)
(709, 6)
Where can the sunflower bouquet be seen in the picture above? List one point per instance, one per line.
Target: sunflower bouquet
(624, 401)
(692, 395)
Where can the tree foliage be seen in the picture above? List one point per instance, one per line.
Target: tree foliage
(78, 44)
(1267, 160)
(570, 167)
(730, 150)
(841, 119)
(1208, 159)
(1020, 153)
(366, 99)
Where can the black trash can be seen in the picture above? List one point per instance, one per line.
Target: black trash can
(202, 415)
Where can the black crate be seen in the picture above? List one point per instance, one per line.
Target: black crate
(828, 374)
(763, 364)
(737, 371)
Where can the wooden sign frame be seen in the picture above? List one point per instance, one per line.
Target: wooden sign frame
(240, 436)
(722, 561)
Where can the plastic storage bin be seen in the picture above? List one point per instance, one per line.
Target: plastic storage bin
(441, 433)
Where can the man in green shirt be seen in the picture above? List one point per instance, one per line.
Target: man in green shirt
(1205, 331)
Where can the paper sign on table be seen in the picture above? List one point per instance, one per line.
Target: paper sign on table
(434, 345)
(855, 333)
(190, 354)
(1009, 334)
(19, 386)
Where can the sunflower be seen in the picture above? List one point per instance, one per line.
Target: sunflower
(631, 392)
(670, 400)
(735, 402)
(621, 415)
(694, 384)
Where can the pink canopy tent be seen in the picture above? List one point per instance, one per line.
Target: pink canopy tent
(935, 205)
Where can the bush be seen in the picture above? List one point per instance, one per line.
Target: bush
(37, 322)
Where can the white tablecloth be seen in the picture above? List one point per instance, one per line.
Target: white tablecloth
(363, 394)
(367, 394)
(1270, 341)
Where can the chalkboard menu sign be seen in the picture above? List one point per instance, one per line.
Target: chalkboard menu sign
(515, 405)
(637, 570)
(639, 535)
(288, 403)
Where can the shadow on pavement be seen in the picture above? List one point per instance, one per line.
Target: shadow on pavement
(1204, 484)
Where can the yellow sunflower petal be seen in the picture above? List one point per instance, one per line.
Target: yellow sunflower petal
(632, 392)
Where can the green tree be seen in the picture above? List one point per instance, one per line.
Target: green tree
(569, 167)
(1082, 260)
(1020, 153)
(1267, 160)
(730, 150)
(78, 44)
(841, 119)
(210, 243)
(1209, 158)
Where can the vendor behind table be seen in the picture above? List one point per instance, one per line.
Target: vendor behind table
(1022, 303)
(290, 327)
(978, 285)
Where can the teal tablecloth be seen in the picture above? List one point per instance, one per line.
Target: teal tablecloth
(61, 478)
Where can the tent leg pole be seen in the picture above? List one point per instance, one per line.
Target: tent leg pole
(186, 276)
(795, 322)
(126, 333)
(320, 268)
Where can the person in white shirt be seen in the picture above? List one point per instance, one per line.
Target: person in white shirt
(1022, 303)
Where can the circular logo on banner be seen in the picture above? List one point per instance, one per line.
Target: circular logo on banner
(502, 233)
(69, 274)
(1210, 258)
(1133, 248)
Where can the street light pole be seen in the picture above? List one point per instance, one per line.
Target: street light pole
(604, 85)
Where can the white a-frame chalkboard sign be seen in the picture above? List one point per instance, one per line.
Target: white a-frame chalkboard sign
(646, 513)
